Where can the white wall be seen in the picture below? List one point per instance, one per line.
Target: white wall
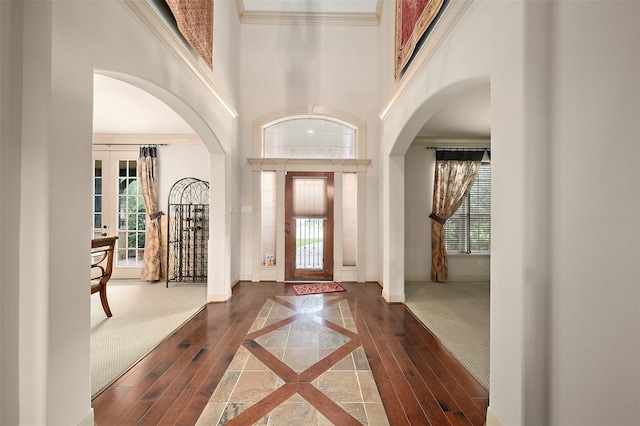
(10, 199)
(176, 162)
(64, 43)
(483, 47)
(226, 72)
(288, 66)
(419, 174)
(565, 305)
(594, 345)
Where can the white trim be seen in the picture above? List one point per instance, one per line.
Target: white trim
(492, 419)
(281, 166)
(89, 420)
(145, 139)
(213, 298)
(310, 164)
(350, 274)
(193, 64)
(442, 28)
(392, 298)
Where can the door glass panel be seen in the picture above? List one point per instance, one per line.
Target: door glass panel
(97, 198)
(131, 216)
(309, 243)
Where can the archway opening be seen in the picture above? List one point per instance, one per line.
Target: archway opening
(456, 311)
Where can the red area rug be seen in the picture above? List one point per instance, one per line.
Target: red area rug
(316, 288)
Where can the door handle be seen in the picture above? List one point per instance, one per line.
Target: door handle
(287, 231)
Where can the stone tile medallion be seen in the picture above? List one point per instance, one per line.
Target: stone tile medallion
(301, 364)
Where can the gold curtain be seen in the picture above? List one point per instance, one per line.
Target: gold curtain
(195, 22)
(147, 174)
(453, 181)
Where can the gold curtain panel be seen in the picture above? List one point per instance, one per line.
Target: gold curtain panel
(195, 22)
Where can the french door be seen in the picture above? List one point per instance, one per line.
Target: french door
(309, 226)
(118, 208)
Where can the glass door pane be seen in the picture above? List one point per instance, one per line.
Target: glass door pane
(131, 216)
(97, 200)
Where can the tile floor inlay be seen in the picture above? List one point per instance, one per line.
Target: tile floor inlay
(301, 363)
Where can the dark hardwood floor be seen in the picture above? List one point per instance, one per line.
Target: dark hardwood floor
(419, 381)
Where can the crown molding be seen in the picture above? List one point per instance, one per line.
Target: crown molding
(315, 164)
(442, 28)
(191, 62)
(309, 18)
(135, 139)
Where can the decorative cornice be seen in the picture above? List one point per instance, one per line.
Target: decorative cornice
(336, 164)
(441, 29)
(194, 65)
(309, 18)
(145, 139)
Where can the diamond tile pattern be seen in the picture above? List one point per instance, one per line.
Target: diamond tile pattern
(301, 363)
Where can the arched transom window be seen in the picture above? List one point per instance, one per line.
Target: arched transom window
(309, 136)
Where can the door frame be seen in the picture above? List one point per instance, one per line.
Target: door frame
(291, 273)
(110, 157)
(260, 271)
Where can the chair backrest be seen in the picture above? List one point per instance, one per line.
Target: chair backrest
(102, 252)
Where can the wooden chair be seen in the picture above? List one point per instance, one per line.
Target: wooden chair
(102, 251)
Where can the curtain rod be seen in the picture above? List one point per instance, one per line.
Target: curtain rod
(457, 148)
(130, 144)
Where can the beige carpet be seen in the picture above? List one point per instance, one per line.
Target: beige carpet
(458, 314)
(143, 314)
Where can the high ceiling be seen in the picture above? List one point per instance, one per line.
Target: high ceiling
(120, 108)
(312, 6)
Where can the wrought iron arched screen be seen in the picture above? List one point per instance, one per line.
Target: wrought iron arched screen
(188, 231)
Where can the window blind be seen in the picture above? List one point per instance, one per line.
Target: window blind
(469, 229)
(310, 198)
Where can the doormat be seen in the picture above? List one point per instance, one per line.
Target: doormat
(316, 288)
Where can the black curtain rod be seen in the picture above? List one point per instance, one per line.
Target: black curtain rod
(130, 144)
(456, 148)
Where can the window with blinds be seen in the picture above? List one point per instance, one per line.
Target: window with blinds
(469, 229)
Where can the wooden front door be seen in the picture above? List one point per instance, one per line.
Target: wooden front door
(309, 226)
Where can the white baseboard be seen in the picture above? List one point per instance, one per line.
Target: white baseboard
(492, 420)
(213, 298)
(392, 298)
(89, 420)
